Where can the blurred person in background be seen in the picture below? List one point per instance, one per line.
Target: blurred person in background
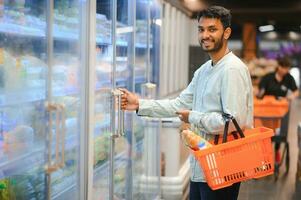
(280, 83)
(220, 86)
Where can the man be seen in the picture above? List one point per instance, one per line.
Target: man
(221, 85)
(279, 83)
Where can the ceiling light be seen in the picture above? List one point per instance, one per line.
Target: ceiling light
(266, 28)
(293, 35)
(271, 35)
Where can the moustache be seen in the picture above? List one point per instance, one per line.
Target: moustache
(205, 40)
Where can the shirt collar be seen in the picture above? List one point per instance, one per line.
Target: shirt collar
(220, 60)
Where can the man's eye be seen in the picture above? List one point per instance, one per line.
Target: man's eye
(212, 29)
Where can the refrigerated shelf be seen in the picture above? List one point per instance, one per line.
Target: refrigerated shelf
(58, 34)
(21, 97)
(99, 171)
(22, 163)
(39, 154)
(65, 191)
(61, 189)
(18, 98)
(119, 160)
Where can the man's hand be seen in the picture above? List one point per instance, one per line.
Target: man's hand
(183, 115)
(293, 95)
(129, 100)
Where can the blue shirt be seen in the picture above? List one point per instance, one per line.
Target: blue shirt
(223, 88)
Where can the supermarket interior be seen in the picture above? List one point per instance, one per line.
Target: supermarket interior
(63, 134)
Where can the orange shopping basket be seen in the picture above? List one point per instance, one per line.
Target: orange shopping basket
(250, 156)
(269, 111)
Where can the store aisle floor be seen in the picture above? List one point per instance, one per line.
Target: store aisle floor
(284, 187)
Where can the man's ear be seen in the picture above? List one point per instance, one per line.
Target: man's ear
(227, 33)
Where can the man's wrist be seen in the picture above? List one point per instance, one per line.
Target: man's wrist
(137, 105)
(194, 117)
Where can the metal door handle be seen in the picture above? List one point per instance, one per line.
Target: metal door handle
(61, 163)
(60, 132)
(50, 167)
(122, 133)
(120, 114)
(57, 134)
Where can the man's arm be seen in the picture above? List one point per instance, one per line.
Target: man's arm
(166, 107)
(293, 87)
(293, 95)
(159, 108)
(236, 101)
(261, 87)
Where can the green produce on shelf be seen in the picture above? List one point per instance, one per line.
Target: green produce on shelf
(5, 190)
(62, 5)
(119, 175)
(138, 129)
(24, 186)
(101, 146)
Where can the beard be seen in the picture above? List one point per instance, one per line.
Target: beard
(218, 44)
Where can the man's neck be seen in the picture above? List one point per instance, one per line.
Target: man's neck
(216, 56)
(278, 77)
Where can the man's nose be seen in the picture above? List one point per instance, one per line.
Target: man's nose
(204, 34)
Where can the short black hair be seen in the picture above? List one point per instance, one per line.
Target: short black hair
(284, 62)
(217, 12)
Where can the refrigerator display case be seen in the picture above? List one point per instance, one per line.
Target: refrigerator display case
(46, 67)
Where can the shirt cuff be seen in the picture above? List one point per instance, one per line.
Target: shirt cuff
(143, 108)
(194, 117)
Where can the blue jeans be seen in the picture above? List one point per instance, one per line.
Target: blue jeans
(201, 191)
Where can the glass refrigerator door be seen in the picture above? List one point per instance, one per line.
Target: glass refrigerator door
(103, 99)
(64, 100)
(39, 99)
(122, 179)
(23, 77)
(119, 140)
(146, 151)
(112, 164)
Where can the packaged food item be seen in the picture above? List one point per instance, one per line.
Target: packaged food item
(18, 139)
(194, 141)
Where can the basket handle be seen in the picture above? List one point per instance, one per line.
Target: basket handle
(234, 133)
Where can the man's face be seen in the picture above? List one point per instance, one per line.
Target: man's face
(282, 70)
(211, 34)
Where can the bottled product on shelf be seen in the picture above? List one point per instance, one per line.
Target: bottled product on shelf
(194, 141)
